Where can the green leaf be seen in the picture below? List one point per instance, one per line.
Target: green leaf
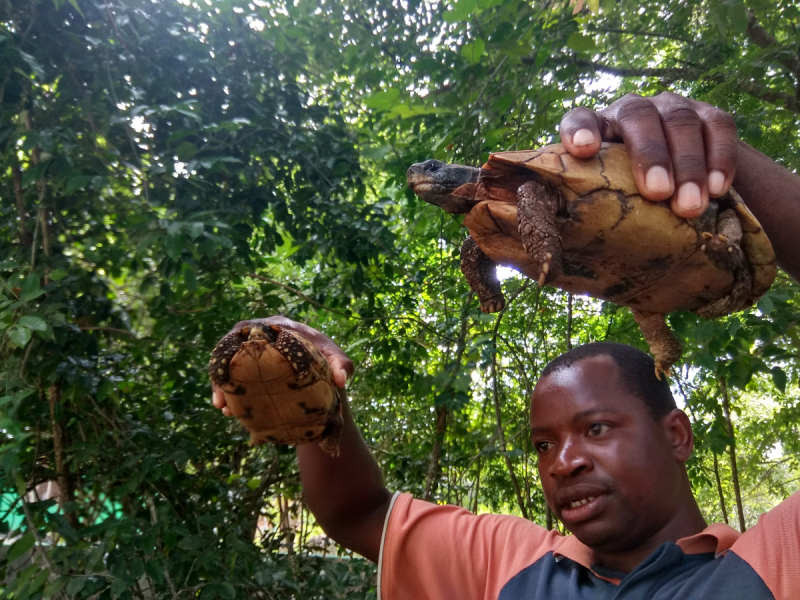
(155, 570)
(20, 547)
(58, 275)
(218, 590)
(581, 43)
(174, 246)
(34, 323)
(186, 150)
(191, 542)
(737, 16)
(195, 230)
(74, 4)
(473, 51)
(137, 567)
(462, 10)
(19, 335)
(75, 585)
(382, 100)
(55, 586)
(779, 378)
(31, 288)
(404, 111)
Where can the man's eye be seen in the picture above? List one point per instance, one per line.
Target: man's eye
(542, 447)
(598, 428)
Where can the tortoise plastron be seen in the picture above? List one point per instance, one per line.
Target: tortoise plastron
(279, 386)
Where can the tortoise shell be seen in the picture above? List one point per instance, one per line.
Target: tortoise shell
(615, 245)
(279, 386)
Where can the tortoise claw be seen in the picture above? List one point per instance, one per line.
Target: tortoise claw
(493, 306)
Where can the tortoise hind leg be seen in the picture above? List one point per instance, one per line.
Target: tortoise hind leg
(664, 346)
(538, 203)
(725, 251)
(481, 275)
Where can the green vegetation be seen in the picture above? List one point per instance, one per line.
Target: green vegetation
(170, 168)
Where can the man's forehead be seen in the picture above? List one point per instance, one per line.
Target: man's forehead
(584, 372)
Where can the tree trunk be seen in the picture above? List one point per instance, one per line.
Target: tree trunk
(501, 435)
(65, 491)
(16, 179)
(726, 410)
(548, 513)
(719, 489)
(434, 468)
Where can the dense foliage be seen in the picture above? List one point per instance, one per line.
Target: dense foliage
(169, 168)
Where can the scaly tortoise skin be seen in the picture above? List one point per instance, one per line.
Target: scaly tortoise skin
(279, 386)
(581, 225)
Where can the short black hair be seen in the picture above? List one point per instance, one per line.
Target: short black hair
(636, 373)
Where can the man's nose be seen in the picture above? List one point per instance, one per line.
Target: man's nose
(570, 460)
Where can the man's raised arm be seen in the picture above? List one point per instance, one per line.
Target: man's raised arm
(346, 493)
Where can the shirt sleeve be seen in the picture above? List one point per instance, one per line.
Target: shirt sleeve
(437, 552)
(772, 548)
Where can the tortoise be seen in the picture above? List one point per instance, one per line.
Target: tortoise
(279, 386)
(581, 225)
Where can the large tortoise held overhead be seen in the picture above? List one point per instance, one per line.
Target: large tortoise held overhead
(581, 225)
(279, 386)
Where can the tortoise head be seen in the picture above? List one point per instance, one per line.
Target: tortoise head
(451, 187)
(258, 332)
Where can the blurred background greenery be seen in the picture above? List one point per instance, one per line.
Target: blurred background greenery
(169, 168)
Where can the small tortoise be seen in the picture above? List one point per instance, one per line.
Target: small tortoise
(581, 225)
(279, 386)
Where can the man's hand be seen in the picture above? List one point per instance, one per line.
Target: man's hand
(341, 366)
(679, 148)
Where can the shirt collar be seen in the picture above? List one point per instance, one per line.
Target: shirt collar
(716, 538)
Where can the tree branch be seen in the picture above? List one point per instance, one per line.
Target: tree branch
(773, 96)
(763, 39)
(644, 34)
(668, 73)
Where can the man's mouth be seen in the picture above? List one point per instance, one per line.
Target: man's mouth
(584, 509)
(578, 503)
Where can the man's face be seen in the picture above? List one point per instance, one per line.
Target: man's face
(608, 469)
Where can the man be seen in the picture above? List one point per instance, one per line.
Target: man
(611, 444)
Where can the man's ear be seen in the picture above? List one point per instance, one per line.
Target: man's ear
(678, 430)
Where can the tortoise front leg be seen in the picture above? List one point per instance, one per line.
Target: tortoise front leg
(664, 346)
(481, 274)
(538, 202)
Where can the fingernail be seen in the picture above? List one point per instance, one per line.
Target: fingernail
(716, 183)
(689, 197)
(657, 180)
(583, 137)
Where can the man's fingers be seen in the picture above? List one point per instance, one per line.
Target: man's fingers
(683, 130)
(581, 132)
(719, 133)
(637, 121)
(217, 397)
(341, 366)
